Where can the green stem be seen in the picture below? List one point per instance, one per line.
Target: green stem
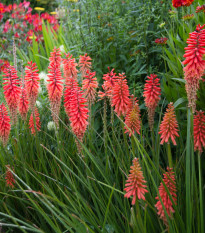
(188, 173)
(201, 194)
(169, 153)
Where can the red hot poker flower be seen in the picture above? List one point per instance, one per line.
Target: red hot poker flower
(89, 86)
(152, 92)
(55, 84)
(85, 64)
(135, 185)
(34, 122)
(10, 181)
(169, 180)
(5, 126)
(32, 84)
(23, 103)
(11, 91)
(78, 113)
(109, 82)
(120, 98)
(169, 126)
(69, 67)
(195, 65)
(199, 131)
(161, 41)
(71, 85)
(132, 119)
(200, 9)
(179, 3)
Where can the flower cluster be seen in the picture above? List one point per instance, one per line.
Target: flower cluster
(194, 64)
(3, 64)
(55, 84)
(135, 185)
(132, 119)
(85, 64)
(152, 92)
(188, 17)
(4, 124)
(10, 181)
(169, 180)
(18, 20)
(161, 41)
(120, 95)
(11, 91)
(169, 126)
(179, 3)
(200, 8)
(199, 131)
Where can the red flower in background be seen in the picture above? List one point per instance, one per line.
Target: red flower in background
(32, 84)
(161, 41)
(3, 64)
(194, 64)
(11, 91)
(169, 126)
(135, 184)
(132, 119)
(10, 181)
(34, 122)
(120, 98)
(55, 84)
(179, 3)
(4, 124)
(152, 92)
(200, 8)
(169, 180)
(199, 131)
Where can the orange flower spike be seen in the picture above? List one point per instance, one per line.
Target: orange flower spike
(36, 122)
(23, 103)
(5, 126)
(69, 67)
(55, 84)
(71, 85)
(89, 86)
(132, 119)
(199, 131)
(169, 126)
(152, 92)
(85, 64)
(169, 180)
(78, 113)
(194, 64)
(11, 91)
(135, 185)
(10, 181)
(32, 84)
(109, 83)
(120, 98)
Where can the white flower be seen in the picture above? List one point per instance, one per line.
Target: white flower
(42, 75)
(38, 104)
(51, 125)
(62, 48)
(40, 89)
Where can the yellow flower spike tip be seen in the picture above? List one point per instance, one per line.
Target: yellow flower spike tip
(162, 25)
(53, 13)
(110, 38)
(72, 0)
(31, 37)
(39, 8)
(75, 10)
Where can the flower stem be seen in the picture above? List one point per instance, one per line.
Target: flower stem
(200, 194)
(169, 153)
